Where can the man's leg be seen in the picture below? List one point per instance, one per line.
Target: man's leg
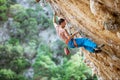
(91, 46)
(86, 43)
(89, 43)
(89, 49)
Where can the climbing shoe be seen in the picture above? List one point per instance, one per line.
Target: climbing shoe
(98, 50)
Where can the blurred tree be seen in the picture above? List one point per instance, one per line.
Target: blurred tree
(32, 13)
(19, 17)
(11, 2)
(7, 74)
(73, 69)
(3, 10)
(23, 29)
(12, 57)
(15, 9)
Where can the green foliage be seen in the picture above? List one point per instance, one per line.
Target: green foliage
(7, 74)
(3, 16)
(43, 61)
(19, 64)
(25, 26)
(2, 2)
(11, 57)
(43, 20)
(11, 2)
(16, 30)
(38, 8)
(16, 8)
(70, 69)
(44, 49)
(12, 61)
(13, 41)
(20, 77)
(3, 10)
(32, 13)
(7, 55)
(76, 69)
(32, 23)
(21, 16)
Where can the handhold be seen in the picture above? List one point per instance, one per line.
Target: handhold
(118, 34)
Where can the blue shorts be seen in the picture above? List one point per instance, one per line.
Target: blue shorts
(83, 42)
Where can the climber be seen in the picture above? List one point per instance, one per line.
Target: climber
(69, 39)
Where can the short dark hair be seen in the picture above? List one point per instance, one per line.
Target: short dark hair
(61, 20)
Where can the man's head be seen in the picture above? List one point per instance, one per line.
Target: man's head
(62, 22)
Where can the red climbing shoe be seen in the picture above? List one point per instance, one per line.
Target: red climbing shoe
(66, 50)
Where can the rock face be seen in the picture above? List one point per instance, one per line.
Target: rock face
(100, 21)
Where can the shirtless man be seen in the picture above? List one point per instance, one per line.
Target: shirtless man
(69, 39)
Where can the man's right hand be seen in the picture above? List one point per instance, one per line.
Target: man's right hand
(76, 32)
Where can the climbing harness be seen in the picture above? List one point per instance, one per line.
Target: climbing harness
(75, 44)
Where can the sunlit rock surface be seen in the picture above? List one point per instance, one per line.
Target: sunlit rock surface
(100, 21)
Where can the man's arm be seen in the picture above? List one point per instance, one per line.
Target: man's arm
(72, 36)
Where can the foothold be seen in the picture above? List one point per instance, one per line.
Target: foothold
(114, 57)
(93, 4)
(118, 69)
(109, 25)
(118, 34)
(111, 65)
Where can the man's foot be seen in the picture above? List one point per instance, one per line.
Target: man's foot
(98, 50)
(66, 50)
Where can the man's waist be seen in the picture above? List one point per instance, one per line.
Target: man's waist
(66, 41)
(73, 40)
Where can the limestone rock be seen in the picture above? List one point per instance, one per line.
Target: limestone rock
(118, 34)
(92, 17)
